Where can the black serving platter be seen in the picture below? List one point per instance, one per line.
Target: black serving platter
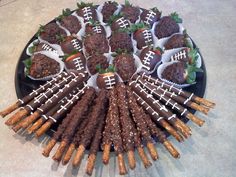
(25, 85)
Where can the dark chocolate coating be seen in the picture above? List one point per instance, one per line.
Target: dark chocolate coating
(131, 13)
(149, 17)
(149, 58)
(95, 60)
(71, 44)
(94, 29)
(77, 64)
(181, 56)
(44, 47)
(174, 73)
(143, 38)
(50, 32)
(87, 13)
(176, 41)
(120, 23)
(71, 23)
(108, 10)
(121, 40)
(107, 80)
(166, 27)
(96, 43)
(125, 66)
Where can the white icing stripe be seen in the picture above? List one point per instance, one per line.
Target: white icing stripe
(180, 91)
(187, 100)
(40, 109)
(21, 101)
(30, 107)
(45, 117)
(160, 118)
(171, 117)
(54, 120)
(183, 112)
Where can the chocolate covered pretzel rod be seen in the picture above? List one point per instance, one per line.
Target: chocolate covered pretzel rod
(37, 101)
(178, 91)
(61, 112)
(77, 114)
(173, 95)
(161, 109)
(94, 147)
(141, 124)
(34, 93)
(126, 124)
(170, 103)
(54, 99)
(95, 116)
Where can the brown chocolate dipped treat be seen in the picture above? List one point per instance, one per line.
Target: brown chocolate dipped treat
(42, 66)
(94, 28)
(75, 62)
(71, 44)
(181, 56)
(125, 66)
(130, 12)
(50, 33)
(118, 22)
(87, 11)
(96, 43)
(108, 10)
(142, 35)
(150, 58)
(97, 60)
(121, 40)
(107, 78)
(149, 17)
(41, 46)
(167, 26)
(176, 41)
(70, 22)
(175, 73)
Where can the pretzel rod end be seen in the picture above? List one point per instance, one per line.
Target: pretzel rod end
(200, 108)
(121, 164)
(16, 128)
(58, 155)
(16, 117)
(131, 159)
(43, 129)
(78, 156)
(49, 147)
(106, 153)
(172, 131)
(68, 154)
(152, 150)
(205, 102)
(195, 119)
(171, 149)
(9, 110)
(90, 164)
(35, 126)
(30, 119)
(182, 128)
(144, 157)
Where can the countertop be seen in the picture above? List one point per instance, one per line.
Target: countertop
(211, 149)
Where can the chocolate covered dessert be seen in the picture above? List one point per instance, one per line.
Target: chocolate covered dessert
(96, 43)
(75, 62)
(176, 41)
(149, 17)
(41, 46)
(94, 27)
(71, 44)
(130, 12)
(121, 40)
(108, 10)
(118, 22)
(97, 60)
(87, 11)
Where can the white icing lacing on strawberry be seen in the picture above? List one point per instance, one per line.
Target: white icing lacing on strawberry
(178, 56)
(122, 22)
(87, 13)
(78, 63)
(110, 81)
(97, 29)
(150, 15)
(76, 44)
(147, 36)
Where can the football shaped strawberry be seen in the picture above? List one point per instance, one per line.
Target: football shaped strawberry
(118, 22)
(182, 56)
(177, 41)
(94, 27)
(41, 46)
(150, 58)
(50, 32)
(107, 78)
(70, 44)
(121, 40)
(95, 60)
(149, 17)
(108, 10)
(87, 11)
(69, 21)
(142, 35)
(125, 65)
(75, 62)
(130, 12)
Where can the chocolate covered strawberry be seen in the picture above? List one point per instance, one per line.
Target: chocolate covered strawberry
(168, 25)
(121, 40)
(41, 46)
(95, 60)
(142, 34)
(50, 32)
(94, 27)
(118, 22)
(70, 44)
(149, 17)
(108, 10)
(69, 21)
(150, 57)
(87, 11)
(106, 78)
(125, 65)
(130, 12)
(177, 41)
(75, 62)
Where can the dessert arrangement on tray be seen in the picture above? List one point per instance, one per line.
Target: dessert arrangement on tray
(114, 77)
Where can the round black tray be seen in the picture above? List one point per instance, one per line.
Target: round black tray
(25, 85)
